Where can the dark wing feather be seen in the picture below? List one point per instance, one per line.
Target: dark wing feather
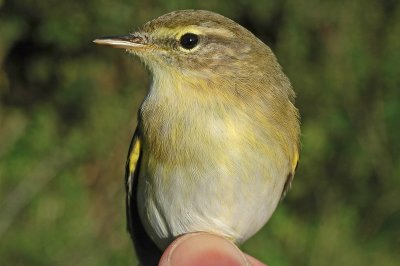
(147, 252)
(290, 176)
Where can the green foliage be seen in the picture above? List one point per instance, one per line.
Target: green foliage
(68, 108)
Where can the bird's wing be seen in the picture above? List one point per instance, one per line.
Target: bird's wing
(147, 252)
(290, 176)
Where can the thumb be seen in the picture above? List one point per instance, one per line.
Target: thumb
(203, 249)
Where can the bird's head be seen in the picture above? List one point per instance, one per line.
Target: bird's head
(197, 43)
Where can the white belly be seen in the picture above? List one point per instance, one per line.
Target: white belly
(231, 191)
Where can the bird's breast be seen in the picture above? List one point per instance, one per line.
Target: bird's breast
(206, 170)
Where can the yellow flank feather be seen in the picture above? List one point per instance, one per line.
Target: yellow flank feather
(134, 155)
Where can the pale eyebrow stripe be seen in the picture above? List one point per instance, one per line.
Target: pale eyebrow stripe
(179, 31)
(217, 32)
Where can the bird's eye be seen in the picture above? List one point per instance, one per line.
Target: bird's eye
(189, 40)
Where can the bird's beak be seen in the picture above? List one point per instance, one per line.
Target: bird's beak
(129, 42)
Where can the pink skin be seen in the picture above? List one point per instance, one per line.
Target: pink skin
(205, 249)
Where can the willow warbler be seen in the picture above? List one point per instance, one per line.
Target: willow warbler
(217, 141)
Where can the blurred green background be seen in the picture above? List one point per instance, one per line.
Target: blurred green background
(68, 110)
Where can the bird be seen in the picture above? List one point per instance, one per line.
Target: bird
(217, 140)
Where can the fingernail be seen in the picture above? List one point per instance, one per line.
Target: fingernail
(203, 249)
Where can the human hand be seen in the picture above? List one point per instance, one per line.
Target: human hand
(205, 249)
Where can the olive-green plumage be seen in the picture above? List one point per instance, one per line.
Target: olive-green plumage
(217, 140)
